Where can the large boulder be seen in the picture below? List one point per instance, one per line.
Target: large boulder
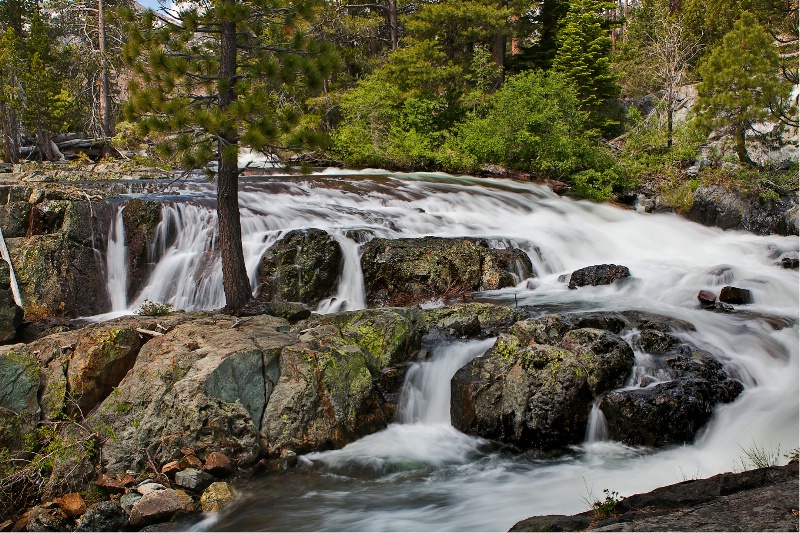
(303, 266)
(674, 410)
(471, 320)
(58, 276)
(341, 381)
(538, 395)
(203, 385)
(403, 271)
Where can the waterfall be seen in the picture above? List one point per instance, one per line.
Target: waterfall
(350, 294)
(597, 429)
(117, 263)
(425, 398)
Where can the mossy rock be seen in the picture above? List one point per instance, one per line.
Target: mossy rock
(19, 381)
(303, 266)
(475, 320)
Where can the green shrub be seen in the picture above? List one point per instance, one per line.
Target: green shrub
(149, 308)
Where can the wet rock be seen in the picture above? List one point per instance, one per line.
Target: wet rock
(159, 506)
(716, 206)
(216, 497)
(598, 275)
(655, 341)
(790, 262)
(402, 271)
(538, 395)
(303, 266)
(42, 519)
(553, 523)
(218, 465)
(58, 277)
(140, 218)
(471, 320)
(707, 299)
(72, 504)
(193, 479)
(735, 295)
(670, 412)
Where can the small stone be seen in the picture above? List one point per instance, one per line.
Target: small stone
(111, 485)
(128, 480)
(22, 523)
(216, 496)
(790, 262)
(190, 461)
(290, 457)
(72, 504)
(129, 500)
(187, 451)
(158, 506)
(707, 299)
(735, 295)
(170, 469)
(146, 488)
(193, 479)
(218, 465)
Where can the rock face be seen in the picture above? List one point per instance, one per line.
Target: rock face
(715, 206)
(303, 266)
(471, 320)
(535, 389)
(140, 218)
(598, 275)
(756, 500)
(10, 312)
(402, 271)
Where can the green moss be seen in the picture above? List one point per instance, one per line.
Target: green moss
(28, 362)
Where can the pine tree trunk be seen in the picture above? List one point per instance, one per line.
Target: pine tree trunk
(392, 12)
(498, 51)
(234, 274)
(105, 89)
(10, 132)
(741, 148)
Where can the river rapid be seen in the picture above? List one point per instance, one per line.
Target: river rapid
(420, 474)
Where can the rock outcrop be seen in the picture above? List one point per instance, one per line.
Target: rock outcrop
(303, 266)
(403, 271)
(598, 275)
(714, 205)
(756, 500)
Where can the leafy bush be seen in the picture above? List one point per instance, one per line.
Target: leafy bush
(149, 308)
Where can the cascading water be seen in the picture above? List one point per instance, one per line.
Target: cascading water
(597, 430)
(421, 475)
(350, 295)
(117, 263)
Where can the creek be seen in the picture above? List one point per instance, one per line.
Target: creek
(421, 474)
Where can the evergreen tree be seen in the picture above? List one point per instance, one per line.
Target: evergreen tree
(214, 78)
(584, 57)
(741, 84)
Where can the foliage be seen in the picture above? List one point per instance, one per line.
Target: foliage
(150, 308)
(606, 507)
(740, 87)
(759, 457)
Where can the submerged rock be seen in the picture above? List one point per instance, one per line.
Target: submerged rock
(404, 271)
(303, 266)
(735, 295)
(598, 275)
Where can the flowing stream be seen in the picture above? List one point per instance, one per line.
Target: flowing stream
(421, 474)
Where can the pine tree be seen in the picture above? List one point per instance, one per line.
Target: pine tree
(584, 57)
(741, 84)
(217, 77)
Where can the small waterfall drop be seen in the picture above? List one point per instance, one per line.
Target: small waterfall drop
(597, 429)
(117, 263)
(426, 393)
(350, 294)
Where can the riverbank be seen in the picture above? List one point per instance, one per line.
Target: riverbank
(764, 499)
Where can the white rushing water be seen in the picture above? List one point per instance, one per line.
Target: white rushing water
(117, 263)
(424, 475)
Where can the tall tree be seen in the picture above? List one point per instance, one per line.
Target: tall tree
(741, 84)
(212, 78)
(584, 57)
